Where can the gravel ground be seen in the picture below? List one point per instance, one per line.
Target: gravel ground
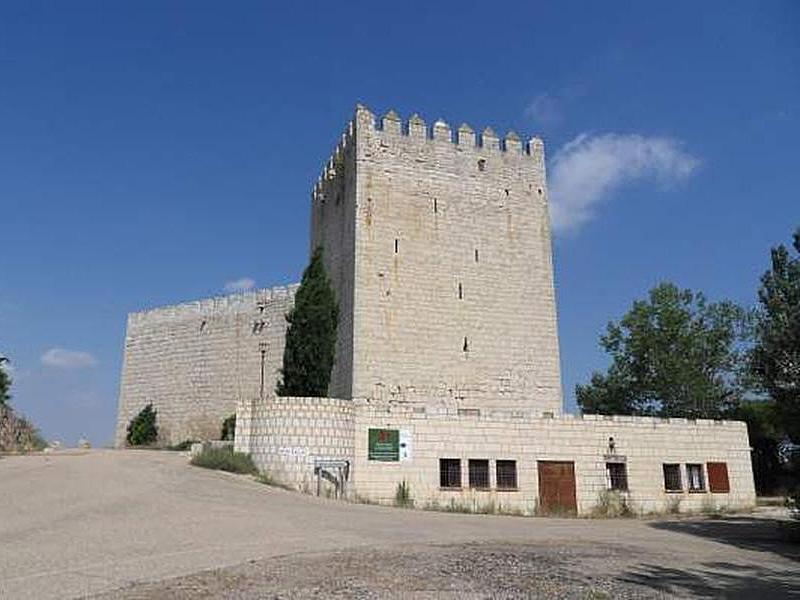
(568, 569)
(490, 570)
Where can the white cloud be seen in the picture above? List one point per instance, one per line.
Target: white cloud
(544, 109)
(68, 359)
(586, 171)
(240, 285)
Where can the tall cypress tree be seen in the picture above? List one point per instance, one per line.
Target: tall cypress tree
(311, 334)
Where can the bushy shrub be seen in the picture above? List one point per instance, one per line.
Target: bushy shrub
(225, 459)
(229, 428)
(142, 429)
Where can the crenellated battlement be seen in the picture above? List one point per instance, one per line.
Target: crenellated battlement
(415, 129)
(464, 136)
(336, 160)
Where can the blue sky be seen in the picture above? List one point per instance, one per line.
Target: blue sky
(153, 152)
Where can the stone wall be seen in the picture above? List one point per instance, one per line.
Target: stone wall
(195, 361)
(440, 253)
(645, 444)
(284, 436)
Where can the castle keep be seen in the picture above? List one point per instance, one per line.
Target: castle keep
(440, 257)
(446, 374)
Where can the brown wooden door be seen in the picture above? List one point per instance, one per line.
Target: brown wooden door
(557, 487)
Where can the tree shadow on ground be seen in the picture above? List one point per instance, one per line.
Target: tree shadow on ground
(727, 579)
(760, 534)
(717, 580)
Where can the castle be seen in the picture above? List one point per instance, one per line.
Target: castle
(446, 376)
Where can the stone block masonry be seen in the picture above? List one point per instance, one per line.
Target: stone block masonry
(195, 361)
(589, 443)
(286, 435)
(440, 252)
(446, 375)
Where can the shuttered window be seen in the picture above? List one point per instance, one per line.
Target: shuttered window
(718, 477)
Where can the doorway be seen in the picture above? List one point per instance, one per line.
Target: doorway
(557, 487)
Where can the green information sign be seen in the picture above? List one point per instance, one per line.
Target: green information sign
(384, 444)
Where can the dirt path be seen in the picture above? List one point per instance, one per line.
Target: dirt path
(128, 523)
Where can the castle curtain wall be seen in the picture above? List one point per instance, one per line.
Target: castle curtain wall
(195, 361)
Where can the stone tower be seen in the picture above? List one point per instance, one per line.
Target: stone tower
(440, 253)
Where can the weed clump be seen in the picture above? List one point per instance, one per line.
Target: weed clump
(612, 504)
(225, 459)
(402, 496)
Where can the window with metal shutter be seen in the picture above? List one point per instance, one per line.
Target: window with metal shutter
(718, 477)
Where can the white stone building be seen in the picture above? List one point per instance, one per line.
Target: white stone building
(446, 378)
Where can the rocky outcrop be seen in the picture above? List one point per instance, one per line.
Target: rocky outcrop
(17, 434)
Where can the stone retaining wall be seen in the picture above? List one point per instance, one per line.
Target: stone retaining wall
(284, 436)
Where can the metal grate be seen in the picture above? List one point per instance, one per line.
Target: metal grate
(617, 476)
(506, 474)
(672, 478)
(449, 473)
(479, 473)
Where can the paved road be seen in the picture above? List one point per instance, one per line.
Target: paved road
(78, 523)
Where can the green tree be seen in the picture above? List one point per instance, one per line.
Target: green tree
(673, 354)
(5, 383)
(766, 438)
(776, 354)
(311, 334)
(143, 428)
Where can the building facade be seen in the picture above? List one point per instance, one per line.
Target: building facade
(446, 382)
(502, 462)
